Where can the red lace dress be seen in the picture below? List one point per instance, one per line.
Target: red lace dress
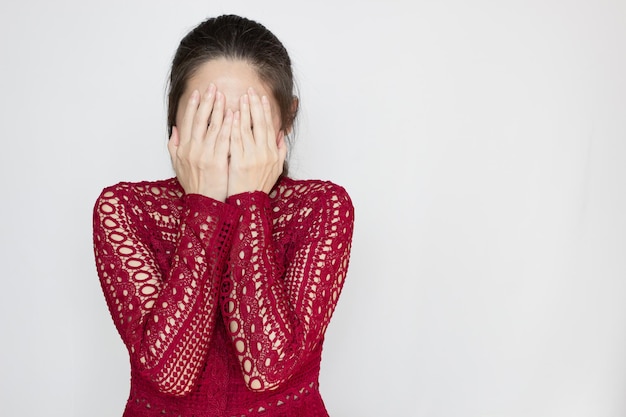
(223, 306)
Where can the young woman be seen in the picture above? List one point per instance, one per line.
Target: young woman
(222, 280)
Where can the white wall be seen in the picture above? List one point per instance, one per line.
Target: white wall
(484, 146)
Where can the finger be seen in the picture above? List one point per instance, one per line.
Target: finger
(258, 118)
(223, 140)
(188, 115)
(217, 117)
(245, 127)
(236, 145)
(200, 120)
(267, 114)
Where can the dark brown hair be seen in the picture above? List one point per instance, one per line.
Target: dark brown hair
(234, 37)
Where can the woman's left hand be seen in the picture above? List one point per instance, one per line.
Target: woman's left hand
(257, 153)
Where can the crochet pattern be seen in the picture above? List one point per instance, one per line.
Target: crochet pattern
(223, 306)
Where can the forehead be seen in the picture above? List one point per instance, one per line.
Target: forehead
(231, 77)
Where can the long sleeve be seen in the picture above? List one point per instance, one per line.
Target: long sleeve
(165, 312)
(277, 313)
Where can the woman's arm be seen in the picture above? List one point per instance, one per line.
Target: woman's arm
(276, 316)
(165, 317)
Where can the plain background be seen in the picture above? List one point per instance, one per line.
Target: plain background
(483, 144)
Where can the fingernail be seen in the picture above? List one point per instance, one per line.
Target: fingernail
(251, 91)
(194, 95)
(265, 100)
(245, 99)
(211, 89)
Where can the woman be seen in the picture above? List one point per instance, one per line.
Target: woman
(222, 281)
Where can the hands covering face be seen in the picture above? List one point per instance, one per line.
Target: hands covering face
(218, 153)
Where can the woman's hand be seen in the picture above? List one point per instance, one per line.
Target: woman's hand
(199, 146)
(257, 154)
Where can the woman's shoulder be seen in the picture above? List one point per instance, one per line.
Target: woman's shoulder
(155, 188)
(141, 195)
(314, 191)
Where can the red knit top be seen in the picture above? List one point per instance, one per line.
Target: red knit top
(223, 306)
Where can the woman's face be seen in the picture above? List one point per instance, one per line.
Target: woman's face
(232, 78)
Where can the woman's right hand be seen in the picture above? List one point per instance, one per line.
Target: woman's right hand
(199, 147)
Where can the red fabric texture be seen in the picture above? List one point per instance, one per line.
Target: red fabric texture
(223, 306)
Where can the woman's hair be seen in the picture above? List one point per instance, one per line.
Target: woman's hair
(234, 37)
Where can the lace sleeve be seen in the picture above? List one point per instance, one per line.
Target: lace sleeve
(277, 315)
(165, 317)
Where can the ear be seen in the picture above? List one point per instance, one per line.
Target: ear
(295, 103)
(280, 139)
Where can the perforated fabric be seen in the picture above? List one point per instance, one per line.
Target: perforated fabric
(223, 306)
